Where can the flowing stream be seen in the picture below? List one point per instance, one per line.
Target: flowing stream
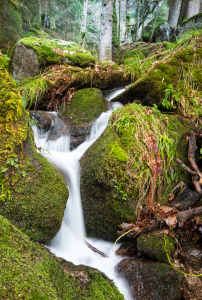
(69, 243)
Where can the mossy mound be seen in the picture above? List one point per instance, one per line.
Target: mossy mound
(147, 30)
(176, 79)
(85, 107)
(153, 245)
(116, 171)
(32, 55)
(33, 194)
(29, 271)
(151, 280)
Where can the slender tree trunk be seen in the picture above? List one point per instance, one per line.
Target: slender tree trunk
(105, 53)
(46, 12)
(40, 12)
(157, 12)
(115, 38)
(83, 25)
(137, 20)
(174, 12)
(193, 8)
(127, 25)
(119, 27)
(66, 20)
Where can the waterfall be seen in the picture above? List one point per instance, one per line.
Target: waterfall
(69, 243)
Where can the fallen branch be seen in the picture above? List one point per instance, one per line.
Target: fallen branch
(183, 216)
(154, 56)
(95, 250)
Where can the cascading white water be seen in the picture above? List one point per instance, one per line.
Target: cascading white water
(70, 240)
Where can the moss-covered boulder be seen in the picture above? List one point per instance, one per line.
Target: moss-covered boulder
(85, 107)
(151, 280)
(153, 245)
(147, 31)
(33, 194)
(134, 155)
(174, 83)
(32, 55)
(29, 271)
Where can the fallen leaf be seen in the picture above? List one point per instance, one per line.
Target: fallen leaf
(171, 221)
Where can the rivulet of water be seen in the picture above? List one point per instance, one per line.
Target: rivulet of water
(69, 243)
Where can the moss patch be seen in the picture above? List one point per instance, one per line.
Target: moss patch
(33, 194)
(85, 107)
(117, 168)
(51, 52)
(29, 271)
(181, 70)
(153, 245)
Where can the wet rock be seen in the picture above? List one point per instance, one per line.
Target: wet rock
(191, 286)
(42, 118)
(85, 107)
(153, 245)
(192, 255)
(128, 248)
(150, 280)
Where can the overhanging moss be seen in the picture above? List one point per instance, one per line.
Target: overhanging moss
(117, 168)
(31, 272)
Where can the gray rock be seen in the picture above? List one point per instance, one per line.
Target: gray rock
(24, 62)
(165, 33)
(150, 280)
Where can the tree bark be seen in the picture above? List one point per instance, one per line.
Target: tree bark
(66, 20)
(119, 27)
(127, 22)
(105, 52)
(174, 12)
(83, 25)
(193, 8)
(157, 12)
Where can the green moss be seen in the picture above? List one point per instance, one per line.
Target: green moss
(116, 169)
(85, 106)
(29, 271)
(50, 52)
(33, 194)
(154, 245)
(182, 70)
(147, 31)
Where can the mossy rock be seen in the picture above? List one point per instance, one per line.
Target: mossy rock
(147, 31)
(30, 271)
(132, 55)
(42, 118)
(85, 107)
(116, 170)
(153, 245)
(33, 194)
(32, 55)
(150, 280)
(180, 72)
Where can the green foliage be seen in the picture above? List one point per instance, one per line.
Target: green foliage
(171, 96)
(34, 90)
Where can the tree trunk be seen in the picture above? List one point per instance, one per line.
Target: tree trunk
(83, 25)
(40, 12)
(105, 53)
(119, 27)
(127, 25)
(174, 12)
(66, 20)
(193, 8)
(157, 12)
(115, 38)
